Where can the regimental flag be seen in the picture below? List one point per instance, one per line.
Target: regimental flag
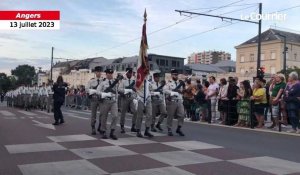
(143, 64)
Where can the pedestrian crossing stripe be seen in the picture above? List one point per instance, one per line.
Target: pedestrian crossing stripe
(7, 113)
(27, 113)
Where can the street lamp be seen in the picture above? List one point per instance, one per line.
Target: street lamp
(285, 49)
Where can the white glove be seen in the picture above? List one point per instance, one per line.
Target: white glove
(105, 95)
(92, 91)
(155, 93)
(128, 91)
(174, 94)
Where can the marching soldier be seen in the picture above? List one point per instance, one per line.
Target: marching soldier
(108, 92)
(43, 96)
(35, 96)
(174, 102)
(20, 102)
(95, 101)
(127, 95)
(50, 96)
(143, 108)
(27, 98)
(158, 102)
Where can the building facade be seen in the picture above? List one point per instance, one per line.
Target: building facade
(208, 57)
(272, 47)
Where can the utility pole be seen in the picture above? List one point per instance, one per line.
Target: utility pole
(285, 49)
(241, 20)
(51, 71)
(259, 41)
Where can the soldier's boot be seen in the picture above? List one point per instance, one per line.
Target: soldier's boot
(139, 134)
(133, 128)
(112, 135)
(158, 126)
(99, 126)
(104, 136)
(170, 133)
(62, 121)
(179, 132)
(147, 133)
(153, 128)
(93, 130)
(122, 129)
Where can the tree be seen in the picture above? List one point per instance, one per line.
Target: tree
(5, 83)
(289, 70)
(24, 74)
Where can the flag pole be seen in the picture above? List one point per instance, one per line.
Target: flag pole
(146, 78)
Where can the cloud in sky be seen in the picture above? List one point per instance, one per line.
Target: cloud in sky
(89, 28)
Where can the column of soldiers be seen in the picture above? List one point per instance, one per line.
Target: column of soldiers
(163, 98)
(31, 97)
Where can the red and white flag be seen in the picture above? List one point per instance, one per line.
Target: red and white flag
(143, 64)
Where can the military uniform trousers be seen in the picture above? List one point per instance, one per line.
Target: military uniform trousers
(140, 114)
(106, 107)
(43, 101)
(35, 101)
(50, 102)
(175, 107)
(95, 105)
(27, 101)
(158, 106)
(127, 102)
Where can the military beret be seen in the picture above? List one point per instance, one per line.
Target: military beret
(174, 71)
(156, 74)
(98, 69)
(129, 69)
(109, 71)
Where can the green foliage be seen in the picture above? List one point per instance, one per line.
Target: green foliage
(289, 70)
(24, 73)
(5, 83)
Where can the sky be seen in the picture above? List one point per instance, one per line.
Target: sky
(112, 28)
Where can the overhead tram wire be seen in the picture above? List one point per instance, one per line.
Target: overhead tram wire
(215, 28)
(169, 26)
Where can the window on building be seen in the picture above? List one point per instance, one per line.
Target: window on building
(178, 63)
(242, 71)
(151, 67)
(251, 57)
(123, 67)
(242, 58)
(262, 56)
(273, 70)
(157, 61)
(162, 62)
(135, 65)
(295, 56)
(173, 63)
(167, 63)
(251, 69)
(273, 55)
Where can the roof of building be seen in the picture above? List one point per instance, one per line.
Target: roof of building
(272, 35)
(225, 63)
(130, 59)
(65, 63)
(205, 68)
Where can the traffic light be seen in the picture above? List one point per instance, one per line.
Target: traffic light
(261, 72)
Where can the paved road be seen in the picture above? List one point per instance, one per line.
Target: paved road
(29, 144)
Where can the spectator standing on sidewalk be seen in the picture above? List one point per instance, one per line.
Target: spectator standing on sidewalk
(211, 96)
(292, 94)
(244, 94)
(275, 95)
(260, 100)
